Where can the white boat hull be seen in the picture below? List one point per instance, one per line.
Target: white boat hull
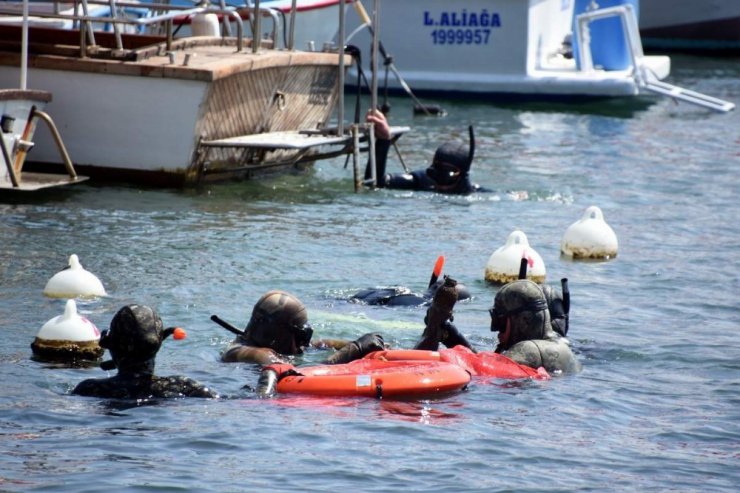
(483, 48)
(144, 118)
(120, 121)
(21, 110)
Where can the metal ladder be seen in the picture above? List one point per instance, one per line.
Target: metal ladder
(651, 83)
(644, 77)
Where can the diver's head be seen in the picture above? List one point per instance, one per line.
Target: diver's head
(279, 321)
(452, 161)
(133, 339)
(519, 313)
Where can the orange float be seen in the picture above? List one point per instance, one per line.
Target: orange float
(373, 377)
(482, 364)
(490, 364)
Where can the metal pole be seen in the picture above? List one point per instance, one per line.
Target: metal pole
(116, 27)
(374, 91)
(257, 34)
(355, 129)
(291, 33)
(24, 46)
(340, 115)
(374, 58)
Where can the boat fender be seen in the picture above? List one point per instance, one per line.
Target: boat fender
(504, 264)
(68, 338)
(205, 24)
(74, 282)
(590, 237)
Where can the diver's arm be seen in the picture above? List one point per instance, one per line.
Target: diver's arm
(438, 315)
(251, 354)
(267, 383)
(329, 343)
(401, 181)
(357, 349)
(452, 337)
(382, 146)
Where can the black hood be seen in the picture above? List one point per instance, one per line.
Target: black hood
(452, 155)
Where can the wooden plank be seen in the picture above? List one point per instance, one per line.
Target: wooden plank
(288, 140)
(31, 182)
(280, 140)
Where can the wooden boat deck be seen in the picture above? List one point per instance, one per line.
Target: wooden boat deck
(201, 58)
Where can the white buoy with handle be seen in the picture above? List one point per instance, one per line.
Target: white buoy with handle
(590, 237)
(68, 337)
(74, 282)
(205, 24)
(504, 264)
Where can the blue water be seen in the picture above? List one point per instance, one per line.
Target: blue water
(656, 407)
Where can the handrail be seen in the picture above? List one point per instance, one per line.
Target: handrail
(643, 77)
(173, 13)
(58, 139)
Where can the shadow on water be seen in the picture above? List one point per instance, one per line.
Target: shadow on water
(618, 107)
(627, 107)
(43, 196)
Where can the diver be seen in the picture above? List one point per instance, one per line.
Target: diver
(133, 340)
(448, 173)
(279, 329)
(401, 296)
(521, 316)
(438, 326)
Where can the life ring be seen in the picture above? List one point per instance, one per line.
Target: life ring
(405, 355)
(373, 378)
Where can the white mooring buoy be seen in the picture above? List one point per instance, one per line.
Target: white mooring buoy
(74, 282)
(590, 237)
(504, 264)
(68, 337)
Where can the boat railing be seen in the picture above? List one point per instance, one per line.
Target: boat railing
(643, 76)
(160, 18)
(14, 158)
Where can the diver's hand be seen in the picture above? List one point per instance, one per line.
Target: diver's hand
(444, 301)
(452, 337)
(357, 349)
(438, 315)
(377, 118)
(370, 342)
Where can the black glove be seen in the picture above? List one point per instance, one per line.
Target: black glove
(452, 337)
(370, 342)
(438, 315)
(357, 349)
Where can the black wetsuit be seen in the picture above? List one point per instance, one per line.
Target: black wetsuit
(142, 384)
(553, 354)
(400, 296)
(415, 180)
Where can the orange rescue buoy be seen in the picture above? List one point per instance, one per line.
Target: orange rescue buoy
(374, 378)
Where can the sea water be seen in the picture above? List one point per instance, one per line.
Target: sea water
(656, 407)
